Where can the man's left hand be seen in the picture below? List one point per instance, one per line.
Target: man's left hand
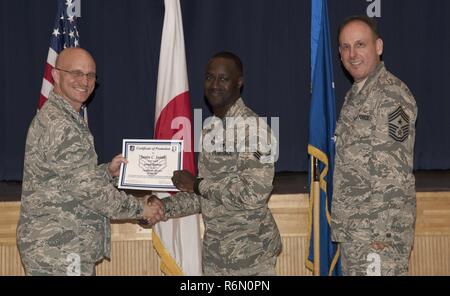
(183, 180)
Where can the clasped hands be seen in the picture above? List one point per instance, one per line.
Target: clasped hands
(153, 211)
(153, 206)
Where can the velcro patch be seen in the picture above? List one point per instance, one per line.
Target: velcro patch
(398, 125)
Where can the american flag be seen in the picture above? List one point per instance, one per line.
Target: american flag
(65, 34)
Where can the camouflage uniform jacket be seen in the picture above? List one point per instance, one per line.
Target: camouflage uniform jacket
(240, 231)
(67, 199)
(374, 190)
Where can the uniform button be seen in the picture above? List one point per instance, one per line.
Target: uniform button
(388, 235)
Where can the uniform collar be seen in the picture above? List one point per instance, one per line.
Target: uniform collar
(62, 103)
(372, 79)
(235, 108)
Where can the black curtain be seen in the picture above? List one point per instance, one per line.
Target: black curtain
(271, 37)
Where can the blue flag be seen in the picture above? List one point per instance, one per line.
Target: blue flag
(322, 123)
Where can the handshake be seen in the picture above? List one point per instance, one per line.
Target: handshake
(154, 207)
(153, 211)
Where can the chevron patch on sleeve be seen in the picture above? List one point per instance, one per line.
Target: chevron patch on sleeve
(398, 125)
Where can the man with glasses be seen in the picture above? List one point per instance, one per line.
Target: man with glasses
(67, 198)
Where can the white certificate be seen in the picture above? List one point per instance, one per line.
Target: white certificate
(150, 164)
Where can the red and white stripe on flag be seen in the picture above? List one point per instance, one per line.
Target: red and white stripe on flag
(64, 34)
(47, 81)
(177, 241)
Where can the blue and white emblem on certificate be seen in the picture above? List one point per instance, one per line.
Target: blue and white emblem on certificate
(150, 164)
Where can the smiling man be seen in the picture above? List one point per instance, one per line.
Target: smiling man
(235, 180)
(76, 84)
(67, 198)
(374, 201)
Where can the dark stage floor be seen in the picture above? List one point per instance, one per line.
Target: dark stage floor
(284, 183)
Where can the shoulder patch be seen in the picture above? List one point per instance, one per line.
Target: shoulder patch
(398, 125)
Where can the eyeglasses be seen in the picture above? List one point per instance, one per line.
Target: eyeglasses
(79, 75)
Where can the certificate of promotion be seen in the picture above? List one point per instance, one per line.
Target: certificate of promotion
(150, 164)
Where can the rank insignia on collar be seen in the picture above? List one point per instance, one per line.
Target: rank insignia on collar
(398, 125)
(257, 155)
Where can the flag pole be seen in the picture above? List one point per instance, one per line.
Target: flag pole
(316, 211)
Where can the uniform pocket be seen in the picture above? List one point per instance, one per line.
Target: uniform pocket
(235, 248)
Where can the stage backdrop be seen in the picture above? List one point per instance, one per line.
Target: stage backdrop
(272, 38)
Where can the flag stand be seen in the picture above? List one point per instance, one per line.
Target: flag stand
(315, 189)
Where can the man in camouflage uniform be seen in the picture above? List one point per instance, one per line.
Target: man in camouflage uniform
(67, 199)
(234, 184)
(374, 202)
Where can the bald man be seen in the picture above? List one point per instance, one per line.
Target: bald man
(67, 198)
